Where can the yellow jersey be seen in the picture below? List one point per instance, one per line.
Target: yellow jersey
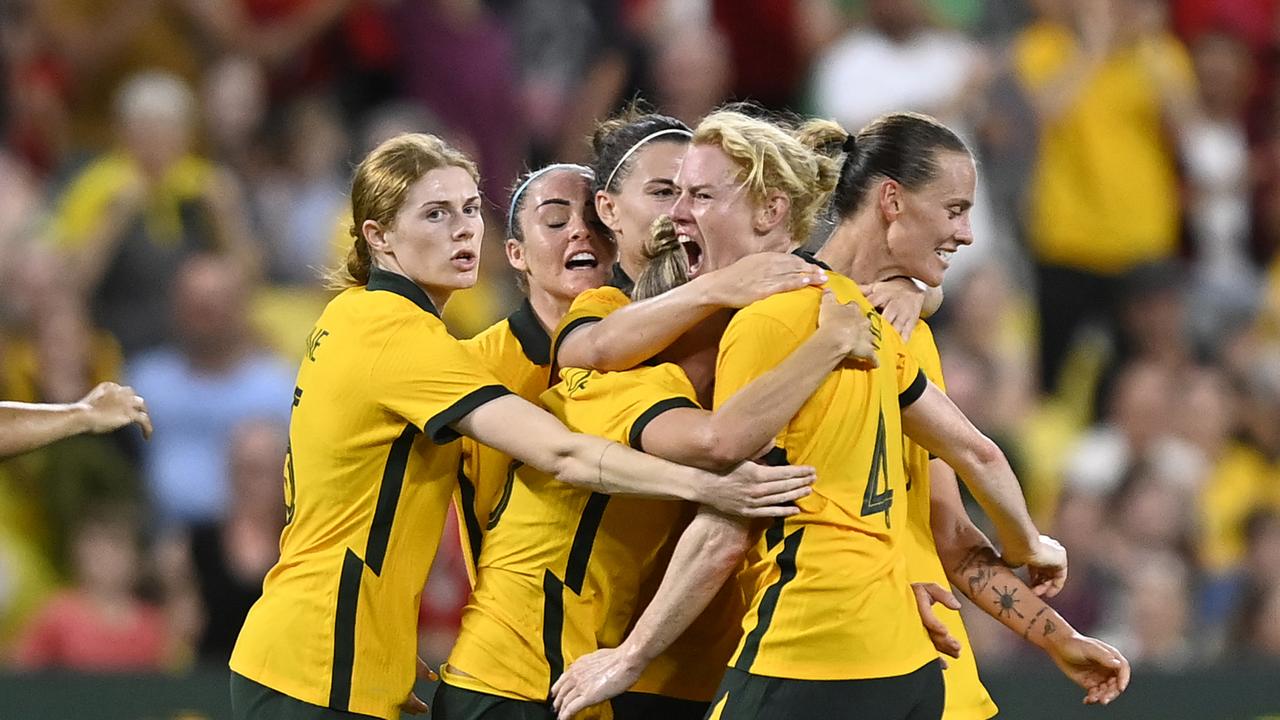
(368, 476)
(967, 699)
(590, 306)
(828, 589)
(560, 571)
(517, 351)
(1108, 152)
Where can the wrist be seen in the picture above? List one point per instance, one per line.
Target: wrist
(707, 290)
(634, 650)
(831, 344)
(80, 416)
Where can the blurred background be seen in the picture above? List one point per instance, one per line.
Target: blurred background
(173, 179)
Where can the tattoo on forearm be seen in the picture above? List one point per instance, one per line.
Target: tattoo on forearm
(1049, 628)
(1008, 603)
(978, 568)
(1026, 633)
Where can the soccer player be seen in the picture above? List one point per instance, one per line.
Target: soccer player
(557, 245)
(27, 426)
(833, 620)
(905, 190)
(382, 393)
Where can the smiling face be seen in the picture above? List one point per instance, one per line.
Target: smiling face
(715, 214)
(646, 193)
(434, 239)
(933, 220)
(565, 250)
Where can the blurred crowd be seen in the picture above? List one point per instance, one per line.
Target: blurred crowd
(173, 178)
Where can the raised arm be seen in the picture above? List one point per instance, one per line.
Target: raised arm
(708, 550)
(976, 569)
(937, 424)
(27, 426)
(748, 421)
(642, 329)
(533, 436)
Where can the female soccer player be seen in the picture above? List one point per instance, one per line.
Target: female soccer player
(850, 616)
(382, 393)
(557, 245)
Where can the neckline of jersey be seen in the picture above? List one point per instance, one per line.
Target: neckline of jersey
(380, 279)
(533, 338)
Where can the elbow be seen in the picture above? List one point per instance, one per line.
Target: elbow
(725, 547)
(566, 463)
(983, 455)
(718, 453)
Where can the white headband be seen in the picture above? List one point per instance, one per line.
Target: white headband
(642, 141)
(515, 196)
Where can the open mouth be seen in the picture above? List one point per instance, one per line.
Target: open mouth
(693, 253)
(464, 259)
(585, 260)
(944, 255)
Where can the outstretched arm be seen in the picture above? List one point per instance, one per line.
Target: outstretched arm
(642, 329)
(974, 567)
(532, 435)
(27, 426)
(708, 550)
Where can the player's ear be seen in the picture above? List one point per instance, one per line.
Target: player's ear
(515, 255)
(607, 210)
(772, 212)
(376, 236)
(890, 198)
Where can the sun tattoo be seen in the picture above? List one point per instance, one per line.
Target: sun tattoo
(1008, 603)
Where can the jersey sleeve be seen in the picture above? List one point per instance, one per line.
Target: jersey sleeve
(619, 405)
(911, 379)
(590, 306)
(753, 344)
(425, 376)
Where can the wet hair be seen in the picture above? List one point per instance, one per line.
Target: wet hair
(378, 190)
(799, 161)
(615, 142)
(901, 146)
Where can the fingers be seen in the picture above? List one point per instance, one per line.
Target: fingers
(942, 595)
(425, 672)
(926, 594)
(786, 497)
(791, 475)
(771, 511)
(144, 421)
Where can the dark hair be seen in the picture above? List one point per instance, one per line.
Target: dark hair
(520, 189)
(614, 138)
(901, 146)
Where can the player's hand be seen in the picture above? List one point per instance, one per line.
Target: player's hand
(1047, 567)
(848, 326)
(754, 490)
(592, 679)
(1093, 665)
(110, 406)
(926, 595)
(758, 276)
(413, 704)
(900, 302)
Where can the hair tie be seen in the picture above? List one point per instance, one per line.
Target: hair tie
(640, 142)
(515, 196)
(850, 144)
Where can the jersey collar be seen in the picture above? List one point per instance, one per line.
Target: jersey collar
(810, 258)
(621, 280)
(400, 285)
(533, 339)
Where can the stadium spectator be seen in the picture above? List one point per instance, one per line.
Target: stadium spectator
(1103, 196)
(99, 624)
(200, 387)
(219, 565)
(129, 218)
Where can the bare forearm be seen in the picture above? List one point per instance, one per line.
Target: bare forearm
(707, 552)
(25, 427)
(935, 423)
(1000, 593)
(638, 331)
(754, 416)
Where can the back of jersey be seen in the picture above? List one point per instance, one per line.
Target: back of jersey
(828, 588)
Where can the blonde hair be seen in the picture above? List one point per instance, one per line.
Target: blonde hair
(668, 265)
(800, 162)
(378, 190)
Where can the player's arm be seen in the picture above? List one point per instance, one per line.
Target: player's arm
(642, 329)
(27, 426)
(749, 420)
(976, 569)
(708, 550)
(935, 423)
(527, 433)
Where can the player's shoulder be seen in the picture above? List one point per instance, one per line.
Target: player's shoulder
(605, 295)
(492, 340)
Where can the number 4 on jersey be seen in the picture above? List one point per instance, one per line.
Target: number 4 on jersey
(873, 499)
